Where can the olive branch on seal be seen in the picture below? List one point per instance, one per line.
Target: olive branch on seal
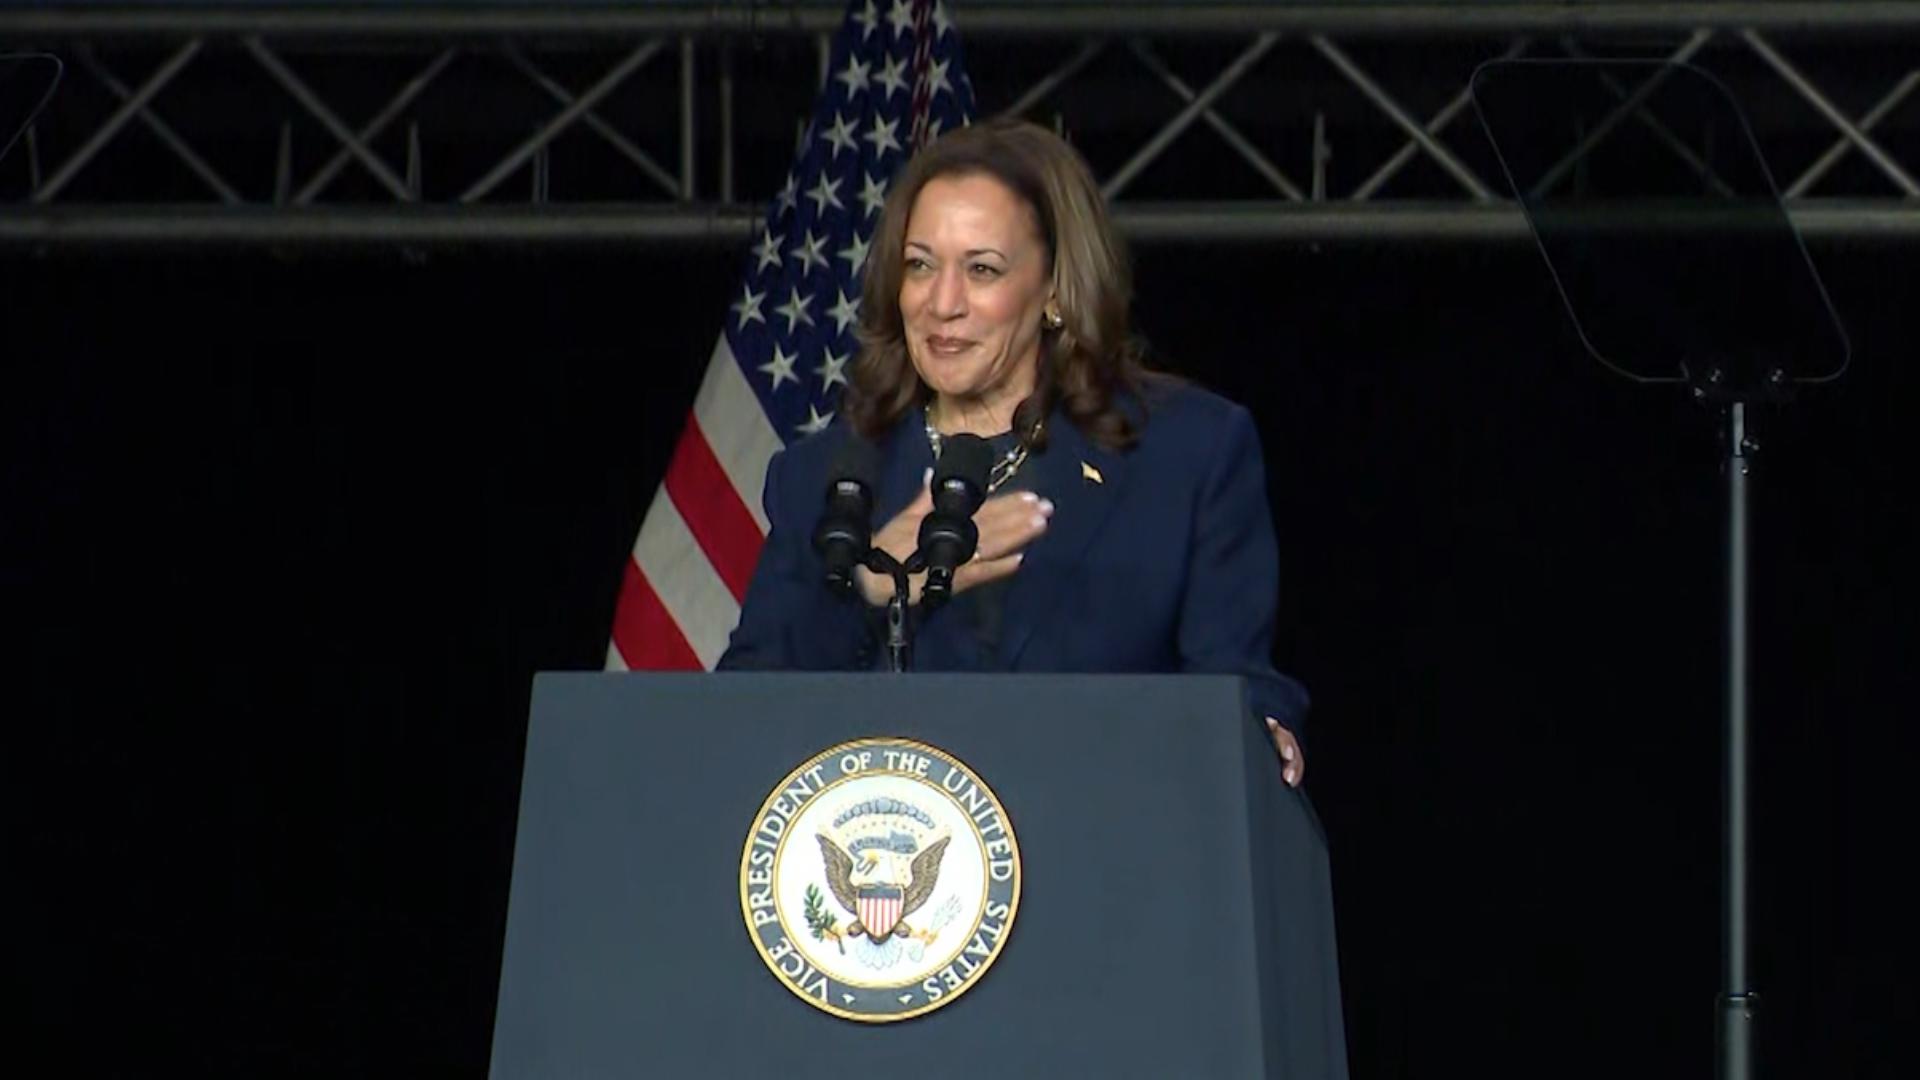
(821, 921)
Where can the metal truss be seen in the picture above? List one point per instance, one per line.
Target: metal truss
(612, 124)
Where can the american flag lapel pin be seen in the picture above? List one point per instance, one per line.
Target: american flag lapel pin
(1091, 474)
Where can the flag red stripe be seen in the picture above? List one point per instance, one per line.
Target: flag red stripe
(713, 509)
(643, 630)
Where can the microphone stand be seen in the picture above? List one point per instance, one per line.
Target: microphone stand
(899, 647)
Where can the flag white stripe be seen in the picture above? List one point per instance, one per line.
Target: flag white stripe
(615, 662)
(688, 586)
(736, 428)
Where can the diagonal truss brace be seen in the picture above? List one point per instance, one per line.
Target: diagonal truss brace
(161, 129)
(130, 106)
(1874, 153)
(1197, 105)
(518, 156)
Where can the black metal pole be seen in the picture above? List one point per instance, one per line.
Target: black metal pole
(899, 635)
(899, 657)
(1737, 999)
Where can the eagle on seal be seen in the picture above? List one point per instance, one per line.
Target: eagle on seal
(880, 888)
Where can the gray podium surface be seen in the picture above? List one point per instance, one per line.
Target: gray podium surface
(1175, 918)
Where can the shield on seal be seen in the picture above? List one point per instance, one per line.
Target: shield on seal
(880, 908)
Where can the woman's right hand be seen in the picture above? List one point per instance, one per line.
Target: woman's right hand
(1007, 524)
(898, 538)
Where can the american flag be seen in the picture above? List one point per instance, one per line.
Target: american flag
(895, 81)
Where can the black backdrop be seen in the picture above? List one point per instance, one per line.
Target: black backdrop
(286, 538)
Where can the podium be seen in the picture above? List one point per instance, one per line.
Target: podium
(1174, 913)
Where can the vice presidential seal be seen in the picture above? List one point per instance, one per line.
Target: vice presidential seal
(880, 879)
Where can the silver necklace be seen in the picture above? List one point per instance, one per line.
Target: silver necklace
(1003, 469)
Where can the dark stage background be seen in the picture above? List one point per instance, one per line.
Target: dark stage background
(286, 539)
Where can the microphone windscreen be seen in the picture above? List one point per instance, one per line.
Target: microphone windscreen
(857, 459)
(964, 457)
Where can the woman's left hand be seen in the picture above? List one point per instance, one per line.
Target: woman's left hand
(1294, 761)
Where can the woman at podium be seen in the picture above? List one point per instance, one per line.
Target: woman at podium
(1125, 526)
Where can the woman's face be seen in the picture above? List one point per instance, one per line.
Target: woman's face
(975, 284)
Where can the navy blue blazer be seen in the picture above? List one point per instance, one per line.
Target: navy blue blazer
(1160, 558)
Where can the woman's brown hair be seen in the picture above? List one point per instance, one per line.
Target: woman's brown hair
(1088, 363)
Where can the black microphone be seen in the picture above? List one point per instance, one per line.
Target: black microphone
(948, 535)
(844, 535)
